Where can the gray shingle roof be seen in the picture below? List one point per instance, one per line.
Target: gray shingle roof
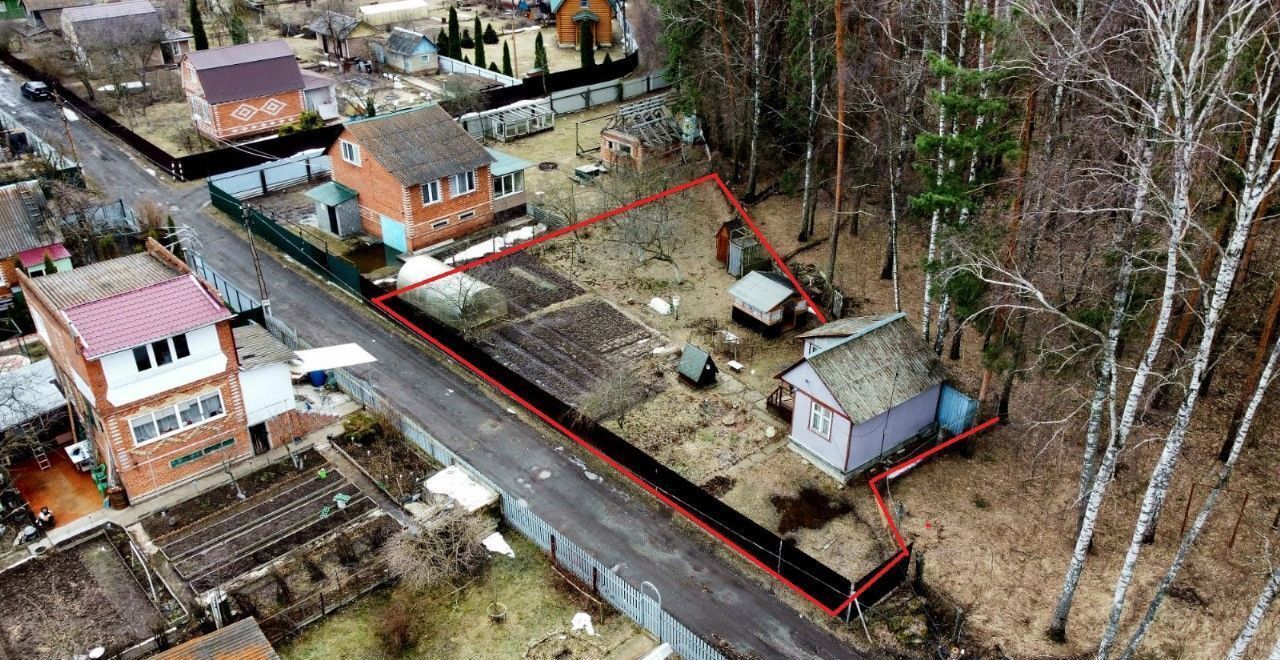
(18, 230)
(246, 71)
(255, 347)
(42, 5)
(763, 291)
(404, 42)
(848, 326)
(116, 24)
(419, 144)
(885, 364)
(330, 22)
(105, 278)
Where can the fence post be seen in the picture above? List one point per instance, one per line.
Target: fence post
(553, 550)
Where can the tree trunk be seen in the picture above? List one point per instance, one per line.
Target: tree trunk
(811, 134)
(757, 81)
(1254, 621)
(931, 252)
(840, 130)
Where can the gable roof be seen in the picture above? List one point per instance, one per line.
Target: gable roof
(35, 256)
(18, 229)
(884, 364)
(42, 5)
(406, 42)
(246, 71)
(133, 318)
(762, 290)
(133, 21)
(242, 640)
(696, 364)
(556, 4)
(330, 22)
(419, 144)
(846, 327)
(105, 278)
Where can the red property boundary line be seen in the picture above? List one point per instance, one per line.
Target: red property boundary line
(873, 483)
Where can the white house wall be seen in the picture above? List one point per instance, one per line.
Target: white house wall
(805, 379)
(125, 384)
(267, 390)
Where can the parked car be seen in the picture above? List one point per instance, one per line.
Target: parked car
(34, 90)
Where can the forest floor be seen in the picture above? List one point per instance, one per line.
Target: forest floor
(997, 529)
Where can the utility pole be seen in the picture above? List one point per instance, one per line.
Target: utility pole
(66, 125)
(257, 264)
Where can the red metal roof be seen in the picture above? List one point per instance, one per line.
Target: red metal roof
(122, 321)
(35, 256)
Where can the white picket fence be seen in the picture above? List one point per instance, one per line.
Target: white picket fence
(627, 599)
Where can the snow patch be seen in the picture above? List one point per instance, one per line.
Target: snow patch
(498, 545)
(497, 243)
(457, 484)
(582, 621)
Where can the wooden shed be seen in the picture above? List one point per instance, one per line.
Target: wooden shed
(696, 369)
(723, 234)
(767, 302)
(639, 134)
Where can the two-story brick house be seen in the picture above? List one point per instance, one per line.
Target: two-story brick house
(251, 89)
(415, 176)
(147, 357)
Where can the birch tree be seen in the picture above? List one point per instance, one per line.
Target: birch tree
(1234, 29)
(1254, 622)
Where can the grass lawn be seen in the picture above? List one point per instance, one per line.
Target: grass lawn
(539, 604)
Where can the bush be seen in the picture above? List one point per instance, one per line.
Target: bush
(490, 36)
(466, 41)
(396, 629)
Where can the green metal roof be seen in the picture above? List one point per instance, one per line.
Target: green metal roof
(586, 15)
(506, 163)
(695, 363)
(556, 4)
(331, 193)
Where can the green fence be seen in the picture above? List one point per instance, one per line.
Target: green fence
(319, 259)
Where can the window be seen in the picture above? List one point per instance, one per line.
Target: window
(820, 420)
(426, 57)
(430, 192)
(201, 453)
(464, 183)
(585, 4)
(160, 353)
(463, 217)
(440, 224)
(161, 350)
(141, 358)
(624, 149)
(508, 184)
(159, 423)
(350, 152)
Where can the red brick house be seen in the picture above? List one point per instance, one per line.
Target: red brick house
(251, 89)
(415, 176)
(147, 357)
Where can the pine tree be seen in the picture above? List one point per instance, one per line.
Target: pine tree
(539, 54)
(607, 58)
(479, 44)
(236, 28)
(197, 25)
(455, 38)
(442, 44)
(506, 61)
(465, 43)
(490, 36)
(587, 45)
(49, 267)
(369, 109)
(493, 66)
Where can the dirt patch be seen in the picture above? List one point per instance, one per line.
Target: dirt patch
(69, 601)
(396, 466)
(809, 508)
(719, 485)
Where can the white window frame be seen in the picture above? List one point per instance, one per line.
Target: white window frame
(151, 353)
(153, 416)
(436, 197)
(461, 178)
(350, 152)
(502, 189)
(820, 419)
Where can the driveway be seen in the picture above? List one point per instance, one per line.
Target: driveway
(620, 526)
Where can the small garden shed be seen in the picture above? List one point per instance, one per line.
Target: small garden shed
(337, 208)
(767, 302)
(407, 51)
(696, 368)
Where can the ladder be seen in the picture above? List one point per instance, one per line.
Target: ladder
(42, 459)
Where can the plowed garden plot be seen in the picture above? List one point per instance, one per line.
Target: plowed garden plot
(571, 350)
(528, 284)
(69, 601)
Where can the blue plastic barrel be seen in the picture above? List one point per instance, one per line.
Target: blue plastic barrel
(318, 379)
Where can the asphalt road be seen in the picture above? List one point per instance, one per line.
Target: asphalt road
(618, 524)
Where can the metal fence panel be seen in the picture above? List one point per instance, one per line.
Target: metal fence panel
(450, 65)
(956, 411)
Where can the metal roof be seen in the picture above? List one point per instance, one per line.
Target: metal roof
(763, 291)
(851, 326)
(22, 228)
(871, 372)
(113, 10)
(99, 26)
(694, 363)
(418, 144)
(35, 256)
(125, 320)
(42, 5)
(316, 81)
(331, 193)
(256, 347)
(242, 640)
(246, 71)
(28, 392)
(504, 163)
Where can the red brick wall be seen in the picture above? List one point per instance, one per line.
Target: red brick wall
(382, 194)
(225, 124)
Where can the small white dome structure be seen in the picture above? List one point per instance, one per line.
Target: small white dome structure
(458, 300)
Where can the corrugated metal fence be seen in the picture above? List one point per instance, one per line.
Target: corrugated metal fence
(612, 91)
(627, 599)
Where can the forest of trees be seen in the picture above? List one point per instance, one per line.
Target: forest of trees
(1092, 183)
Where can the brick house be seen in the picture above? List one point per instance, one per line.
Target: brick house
(640, 134)
(252, 89)
(572, 14)
(148, 359)
(415, 177)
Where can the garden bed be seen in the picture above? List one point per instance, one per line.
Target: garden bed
(395, 465)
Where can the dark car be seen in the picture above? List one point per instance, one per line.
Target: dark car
(35, 90)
